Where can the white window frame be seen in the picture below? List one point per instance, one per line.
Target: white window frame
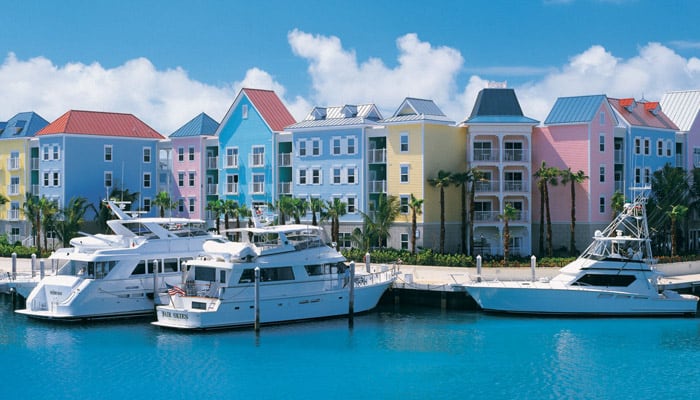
(232, 157)
(147, 181)
(147, 155)
(190, 153)
(302, 177)
(302, 148)
(191, 204)
(244, 111)
(601, 143)
(404, 201)
(352, 145)
(402, 136)
(56, 153)
(191, 178)
(403, 173)
(351, 174)
(601, 205)
(660, 147)
(601, 173)
(108, 155)
(316, 147)
(336, 149)
(316, 176)
(180, 154)
(337, 175)
(231, 184)
(351, 202)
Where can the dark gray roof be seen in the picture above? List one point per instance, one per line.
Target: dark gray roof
(202, 124)
(497, 106)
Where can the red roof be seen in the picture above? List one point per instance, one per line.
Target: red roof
(643, 116)
(626, 102)
(100, 124)
(270, 108)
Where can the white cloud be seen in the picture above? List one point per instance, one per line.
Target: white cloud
(163, 99)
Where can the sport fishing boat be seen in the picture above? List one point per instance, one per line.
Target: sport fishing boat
(614, 276)
(116, 275)
(299, 277)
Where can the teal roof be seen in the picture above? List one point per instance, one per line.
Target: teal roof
(579, 109)
(24, 124)
(200, 125)
(498, 106)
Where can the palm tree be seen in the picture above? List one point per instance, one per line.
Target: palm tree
(316, 206)
(462, 180)
(378, 225)
(73, 216)
(546, 176)
(360, 240)
(572, 178)
(617, 203)
(33, 214)
(677, 211)
(334, 210)
(299, 208)
(48, 209)
(670, 187)
(416, 207)
(163, 201)
(442, 181)
(477, 176)
(509, 212)
(216, 207)
(3, 199)
(242, 211)
(227, 208)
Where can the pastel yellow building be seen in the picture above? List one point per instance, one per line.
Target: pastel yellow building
(420, 142)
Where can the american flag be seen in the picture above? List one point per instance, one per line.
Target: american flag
(175, 290)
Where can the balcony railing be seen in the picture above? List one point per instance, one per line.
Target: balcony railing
(212, 162)
(486, 216)
(620, 186)
(13, 189)
(679, 160)
(257, 188)
(515, 186)
(232, 188)
(232, 161)
(487, 186)
(13, 214)
(13, 164)
(284, 159)
(377, 186)
(257, 160)
(485, 155)
(376, 156)
(212, 188)
(619, 156)
(35, 163)
(284, 188)
(515, 155)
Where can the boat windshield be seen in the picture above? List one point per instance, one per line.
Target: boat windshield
(87, 269)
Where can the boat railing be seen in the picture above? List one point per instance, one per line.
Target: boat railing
(375, 277)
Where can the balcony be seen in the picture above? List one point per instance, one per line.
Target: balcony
(515, 186)
(377, 186)
(212, 162)
(257, 160)
(13, 164)
(485, 216)
(619, 156)
(35, 163)
(284, 188)
(212, 188)
(284, 160)
(376, 156)
(485, 155)
(620, 186)
(679, 160)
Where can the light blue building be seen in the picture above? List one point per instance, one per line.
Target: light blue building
(248, 147)
(328, 156)
(88, 154)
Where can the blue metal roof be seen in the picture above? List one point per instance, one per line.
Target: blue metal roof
(202, 124)
(498, 106)
(578, 109)
(24, 124)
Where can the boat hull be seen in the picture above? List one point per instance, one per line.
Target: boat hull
(527, 298)
(273, 310)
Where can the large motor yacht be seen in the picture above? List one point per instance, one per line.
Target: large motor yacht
(299, 277)
(119, 274)
(614, 276)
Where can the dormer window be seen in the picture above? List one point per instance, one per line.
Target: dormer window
(318, 113)
(628, 104)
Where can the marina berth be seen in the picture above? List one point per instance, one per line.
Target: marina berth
(615, 275)
(117, 275)
(269, 275)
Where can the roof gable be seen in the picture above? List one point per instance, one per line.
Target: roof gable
(24, 124)
(270, 108)
(200, 125)
(682, 107)
(642, 113)
(100, 124)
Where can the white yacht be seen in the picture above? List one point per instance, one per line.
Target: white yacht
(114, 275)
(614, 276)
(300, 277)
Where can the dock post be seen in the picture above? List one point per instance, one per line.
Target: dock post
(533, 263)
(33, 265)
(478, 268)
(368, 267)
(41, 269)
(351, 302)
(257, 300)
(155, 283)
(14, 266)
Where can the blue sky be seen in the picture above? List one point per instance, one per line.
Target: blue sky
(166, 61)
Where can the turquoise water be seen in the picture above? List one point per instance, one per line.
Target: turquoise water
(406, 353)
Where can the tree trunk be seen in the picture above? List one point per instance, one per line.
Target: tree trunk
(572, 240)
(442, 220)
(549, 221)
